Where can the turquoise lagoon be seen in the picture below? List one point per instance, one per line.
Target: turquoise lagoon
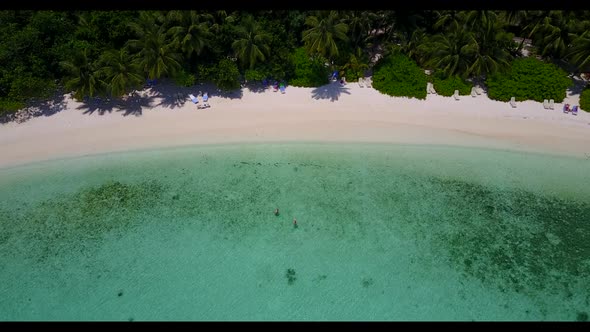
(385, 232)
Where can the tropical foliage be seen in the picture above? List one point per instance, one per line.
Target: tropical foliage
(398, 75)
(108, 53)
(324, 32)
(182, 78)
(530, 79)
(446, 86)
(226, 75)
(585, 99)
(310, 71)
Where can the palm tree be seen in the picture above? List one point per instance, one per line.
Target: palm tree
(413, 45)
(479, 20)
(357, 64)
(447, 18)
(360, 26)
(156, 56)
(321, 37)
(405, 23)
(191, 33)
(253, 43)
(555, 33)
(451, 52)
(120, 73)
(83, 79)
(491, 53)
(514, 17)
(580, 52)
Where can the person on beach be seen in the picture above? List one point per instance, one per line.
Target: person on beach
(276, 211)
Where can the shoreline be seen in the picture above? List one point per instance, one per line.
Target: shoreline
(328, 114)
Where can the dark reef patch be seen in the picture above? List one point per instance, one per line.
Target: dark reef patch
(290, 275)
(516, 239)
(77, 222)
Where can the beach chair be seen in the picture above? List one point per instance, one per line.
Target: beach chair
(368, 82)
(478, 90)
(193, 98)
(566, 108)
(361, 82)
(473, 93)
(282, 88)
(275, 88)
(206, 100)
(428, 87)
(551, 104)
(546, 104)
(334, 76)
(575, 110)
(513, 102)
(456, 95)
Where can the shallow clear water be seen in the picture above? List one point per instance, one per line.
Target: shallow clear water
(385, 232)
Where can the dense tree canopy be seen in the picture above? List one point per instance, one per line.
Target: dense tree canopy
(109, 53)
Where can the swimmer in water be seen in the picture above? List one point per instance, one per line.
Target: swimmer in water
(276, 211)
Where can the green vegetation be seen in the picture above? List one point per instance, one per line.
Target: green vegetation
(585, 99)
(309, 70)
(447, 86)
(254, 75)
(183, 78)
(529, 79)
(227, 75)
(398, 75)
(109, 53)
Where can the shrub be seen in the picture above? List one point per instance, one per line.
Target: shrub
(227, 75)
(182, 78)
(446, 86)
(397, 75)
(529, 79)
(206, 72)
(25, 87)
(309, 71)
(254, 75)
(585, 99)
(9, 106)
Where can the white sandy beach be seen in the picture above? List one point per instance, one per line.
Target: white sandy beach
(332, 113)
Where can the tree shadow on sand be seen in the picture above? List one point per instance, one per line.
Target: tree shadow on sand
(134, 105)
(330, 91)
(129, 106)
(215, 92)
(257, 87)
(54, 105)
(577, 87)
(171, 96)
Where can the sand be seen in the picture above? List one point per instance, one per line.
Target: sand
(332, 113)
